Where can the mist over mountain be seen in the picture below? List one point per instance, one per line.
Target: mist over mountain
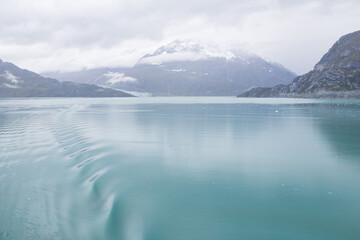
(337, 74)
(187, 68)
(17, 82)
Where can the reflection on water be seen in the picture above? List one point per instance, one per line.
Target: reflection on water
(179, 168)
(343, 131)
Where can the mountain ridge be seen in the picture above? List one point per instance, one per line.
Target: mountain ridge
(336, 75)
(202, 49)
(18, 82)
(188, 68)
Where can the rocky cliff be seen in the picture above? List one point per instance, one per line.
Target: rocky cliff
(337, 74)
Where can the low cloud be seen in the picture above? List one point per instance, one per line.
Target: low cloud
(13, 80)
(10, 77)
(51, 35)
(178, 56)
(114, 77)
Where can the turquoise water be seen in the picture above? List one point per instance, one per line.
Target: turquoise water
(179, 168)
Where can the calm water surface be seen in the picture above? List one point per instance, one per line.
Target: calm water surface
(179, 169)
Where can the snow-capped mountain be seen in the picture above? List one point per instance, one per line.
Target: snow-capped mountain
(178, 46)
(188, 68)
(190, 50)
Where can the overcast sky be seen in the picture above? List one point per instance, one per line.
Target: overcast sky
(67, 35)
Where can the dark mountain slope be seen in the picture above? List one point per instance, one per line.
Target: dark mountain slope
(337, 74)
(17, 82)
(183, 68)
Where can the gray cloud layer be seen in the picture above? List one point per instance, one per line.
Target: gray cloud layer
(47, 35)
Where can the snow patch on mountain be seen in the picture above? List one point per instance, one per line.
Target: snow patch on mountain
(115, 77)
(178, 70)
(191, 50)
(12, 78)
(171, 57)
(10, 85)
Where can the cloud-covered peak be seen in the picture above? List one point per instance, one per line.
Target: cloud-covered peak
(67, 35)
(177, 45)
(193, 50)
